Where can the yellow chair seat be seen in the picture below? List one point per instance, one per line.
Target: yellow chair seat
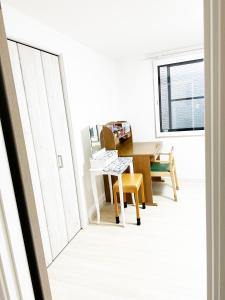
(131, 184)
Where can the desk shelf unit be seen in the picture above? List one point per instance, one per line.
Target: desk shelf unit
(116, 133)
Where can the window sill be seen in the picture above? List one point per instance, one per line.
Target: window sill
(180, 134)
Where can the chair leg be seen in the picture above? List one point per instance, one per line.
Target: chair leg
(174, 186)
(137, 208)
(116, 207)
(142, 195)
(125, 200)
(176, 180)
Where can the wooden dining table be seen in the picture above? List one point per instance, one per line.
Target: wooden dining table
(142, 154)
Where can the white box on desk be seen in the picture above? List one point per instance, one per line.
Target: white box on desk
(103, 158)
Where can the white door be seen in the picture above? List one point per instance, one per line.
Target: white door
(62, 141)
(24, 114)
(42, 109)
(44, 144)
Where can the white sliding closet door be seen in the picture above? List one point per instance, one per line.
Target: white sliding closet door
(37, 103)
(43, 114)
(22, 102)
(62, 141)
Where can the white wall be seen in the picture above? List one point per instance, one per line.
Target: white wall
(136, 92)
(91, 86)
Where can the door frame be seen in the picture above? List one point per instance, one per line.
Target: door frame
(214, 16)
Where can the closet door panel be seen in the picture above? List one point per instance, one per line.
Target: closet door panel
(21, 97)
(37, 104)
(62, 140)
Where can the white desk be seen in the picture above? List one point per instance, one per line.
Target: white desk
(115, 168)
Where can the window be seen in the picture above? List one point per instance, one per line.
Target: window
(180, 95)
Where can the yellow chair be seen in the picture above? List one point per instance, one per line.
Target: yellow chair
(131, 184)
(166, 168)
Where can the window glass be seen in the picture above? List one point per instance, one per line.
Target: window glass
(181, 96)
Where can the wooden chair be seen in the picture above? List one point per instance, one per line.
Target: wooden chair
(166, 168)
(131, 184)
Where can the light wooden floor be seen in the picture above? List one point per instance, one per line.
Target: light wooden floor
(163, 259)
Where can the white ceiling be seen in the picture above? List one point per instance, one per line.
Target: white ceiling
(122, 28)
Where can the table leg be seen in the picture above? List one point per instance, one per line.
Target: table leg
(95, 194)
(110, 188)
(121, 199)
(132, 172)
(142, 165)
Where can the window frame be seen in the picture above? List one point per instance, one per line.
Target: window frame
(177, 58)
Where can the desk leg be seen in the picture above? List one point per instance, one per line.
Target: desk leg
(132, 172)
(142, 165)
(121, 199)
(95, 194)
(110, 188)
